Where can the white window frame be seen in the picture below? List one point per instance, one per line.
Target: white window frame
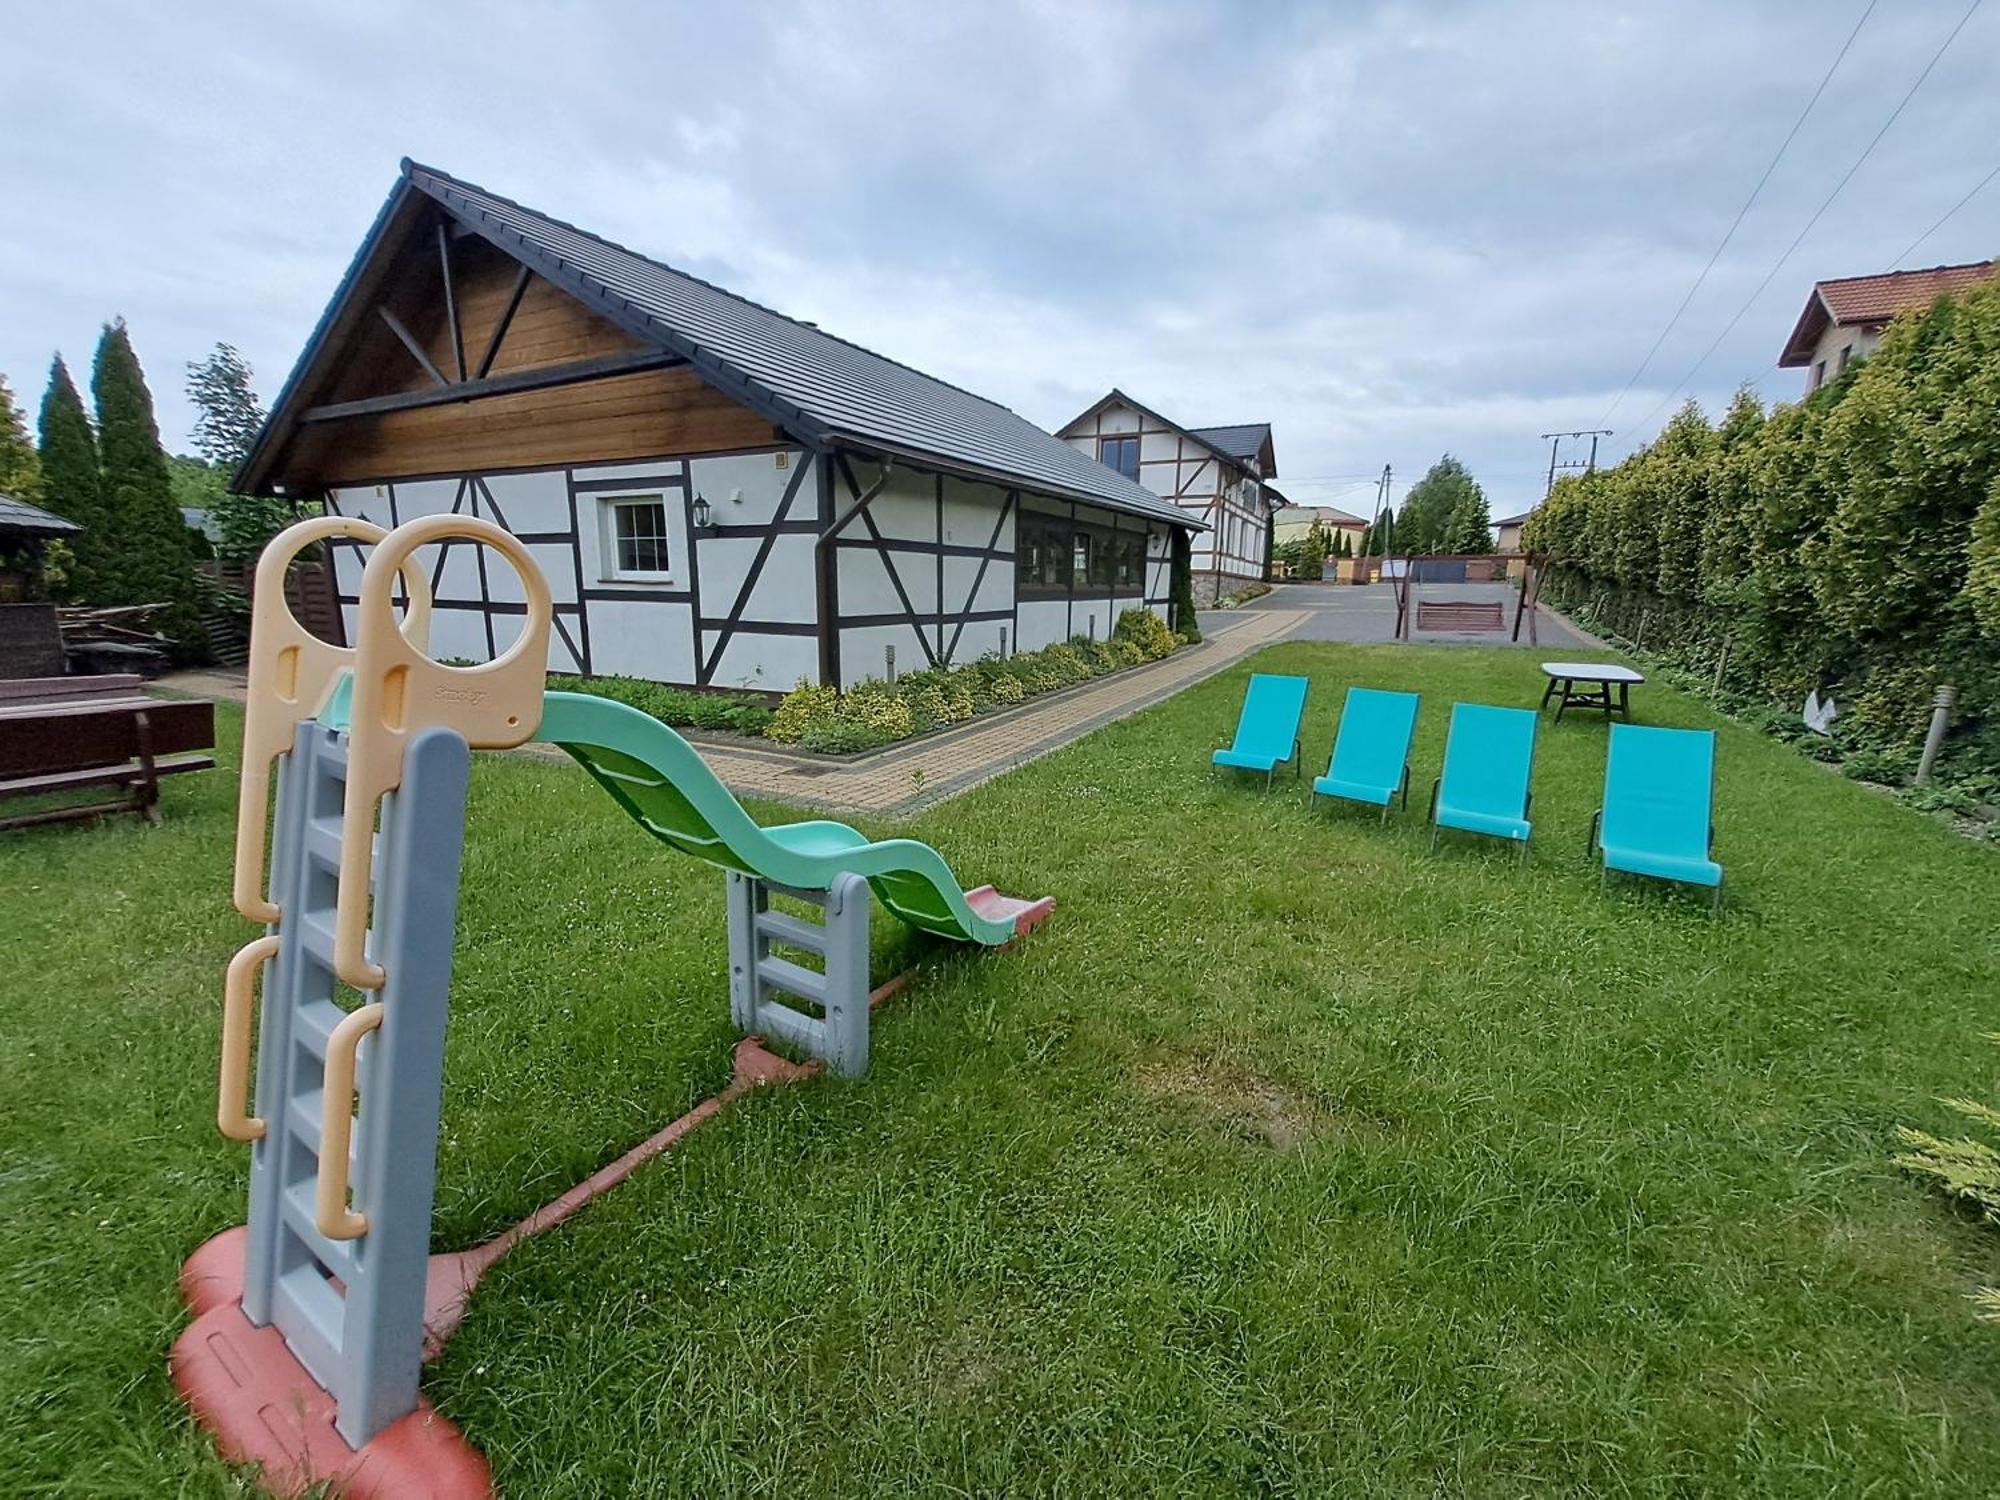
(608, 570)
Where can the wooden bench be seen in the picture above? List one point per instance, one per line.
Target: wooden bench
(1460, 614)
(66, 734)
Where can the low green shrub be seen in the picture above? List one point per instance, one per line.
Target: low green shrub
(1885, 767)
(1153, 636)
(1966, 1169)
(840, 737)
(734, 713)
(804, 707)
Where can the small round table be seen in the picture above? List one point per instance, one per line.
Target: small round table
(1588, 684)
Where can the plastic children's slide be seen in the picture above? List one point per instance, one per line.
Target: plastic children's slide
(662, 781)
(311, 1321)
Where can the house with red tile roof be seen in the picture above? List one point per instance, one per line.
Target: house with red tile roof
(1844, 318)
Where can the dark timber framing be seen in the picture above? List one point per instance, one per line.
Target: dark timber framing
(543, 378)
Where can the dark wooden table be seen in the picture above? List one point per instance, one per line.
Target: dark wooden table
(1589, 684)
(65, 734)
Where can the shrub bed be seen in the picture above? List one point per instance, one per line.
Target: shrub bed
(737, 713)
(877, 713)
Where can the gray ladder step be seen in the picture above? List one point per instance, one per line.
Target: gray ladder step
(786, 928)
(313, 1023)
(336, 1255)
(323, 846)
(793, 978)
(332, 758)
(316, 938)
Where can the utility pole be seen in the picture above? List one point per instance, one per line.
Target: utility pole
(1374, 534)
(1555, 442)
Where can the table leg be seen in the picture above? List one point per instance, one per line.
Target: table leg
(1624, 700)
(1548, 692)
(1563, 702)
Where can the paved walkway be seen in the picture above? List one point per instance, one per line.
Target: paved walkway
(903, 778)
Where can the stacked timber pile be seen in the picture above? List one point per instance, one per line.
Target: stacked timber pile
(115, 637)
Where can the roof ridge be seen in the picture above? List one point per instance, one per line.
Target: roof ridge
(410, 166)
(1968, 265)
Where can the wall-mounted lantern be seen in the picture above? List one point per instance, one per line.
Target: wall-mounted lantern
(703, 511)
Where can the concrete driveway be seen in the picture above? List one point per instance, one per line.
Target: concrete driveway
(1366, 613)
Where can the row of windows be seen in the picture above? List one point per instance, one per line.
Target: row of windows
(1056, 555)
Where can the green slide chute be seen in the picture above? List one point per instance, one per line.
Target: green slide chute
(662, 781)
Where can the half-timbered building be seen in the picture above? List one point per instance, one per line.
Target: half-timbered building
(718, 494)
(1219, 476)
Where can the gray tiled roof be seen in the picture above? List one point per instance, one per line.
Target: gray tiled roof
(1245, 440)
(18, 518)
(812, 383)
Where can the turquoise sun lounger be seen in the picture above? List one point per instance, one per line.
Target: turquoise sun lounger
(1371, 753)
(1489, 761)
(1267, 730)
(1658, 817)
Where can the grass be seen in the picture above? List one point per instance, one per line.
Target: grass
(1287, 1159)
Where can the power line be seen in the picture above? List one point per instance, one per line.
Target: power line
(1949, 214)
(1818, 213)
(1737, 222)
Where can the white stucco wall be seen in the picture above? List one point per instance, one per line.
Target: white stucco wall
(931, 570)
(612, 626)
(1857, 340)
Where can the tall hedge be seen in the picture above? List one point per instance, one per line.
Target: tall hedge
(1848, 542)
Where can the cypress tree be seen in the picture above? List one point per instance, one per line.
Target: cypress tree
(20, 468)
(1181, 610)
(72, 486)
(154, 562)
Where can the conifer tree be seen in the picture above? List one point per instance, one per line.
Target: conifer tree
(72, 486)
(20, 468)
(1471, 526)
(152, 562)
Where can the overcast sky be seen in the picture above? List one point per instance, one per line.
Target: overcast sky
(1388, 230)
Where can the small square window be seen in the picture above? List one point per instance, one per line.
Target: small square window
(635, 538)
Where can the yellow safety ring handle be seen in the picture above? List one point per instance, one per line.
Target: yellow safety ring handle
(290, 671)
(336, 1131)
(398, 690)
(232, 1109)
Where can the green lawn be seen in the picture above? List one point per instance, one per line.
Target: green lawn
(1287, 1159)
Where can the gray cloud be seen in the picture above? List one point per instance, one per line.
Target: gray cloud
(1390, 230)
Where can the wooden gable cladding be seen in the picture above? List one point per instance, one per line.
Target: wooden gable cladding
(601, 421)
(547, 327)
(539, 327)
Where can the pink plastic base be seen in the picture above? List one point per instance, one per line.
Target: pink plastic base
(244, 1385)
(994, 907)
